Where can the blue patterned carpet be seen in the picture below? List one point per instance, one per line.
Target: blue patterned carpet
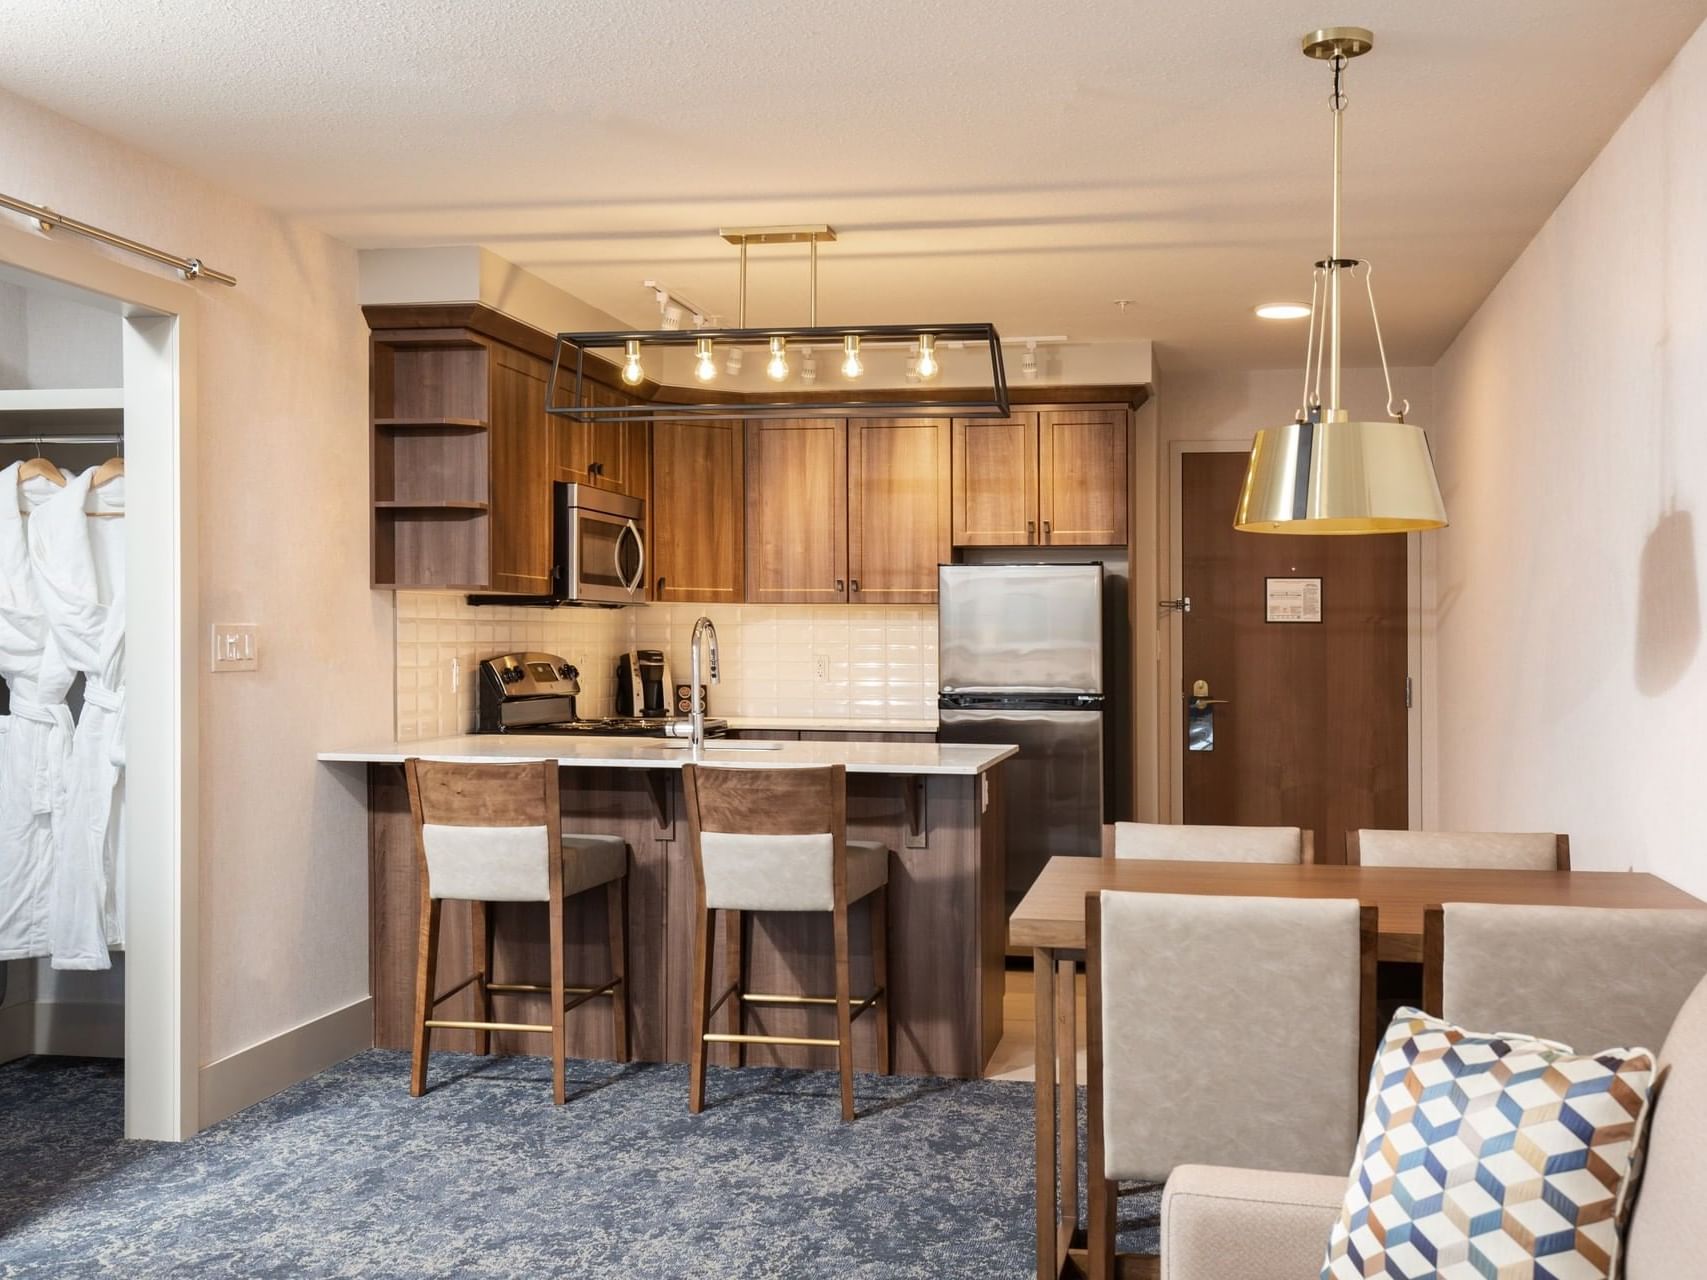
(346, 1175)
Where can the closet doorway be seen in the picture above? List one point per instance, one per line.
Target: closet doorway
(96, 363)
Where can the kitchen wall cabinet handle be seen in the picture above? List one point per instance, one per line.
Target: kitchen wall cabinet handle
(1031, 528)
(839, 584)
(854, 584)
(1046, 531)
(660, 587)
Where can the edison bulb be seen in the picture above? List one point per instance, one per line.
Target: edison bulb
(927, 365)
(705, 369)
(632, 373)
(851, 364)
(778, 366)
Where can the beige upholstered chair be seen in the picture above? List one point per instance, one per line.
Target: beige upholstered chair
(1489, 850)
(489, 833)
(1240, 1224)
(776, 840)
(1222, 1030)
(1589, 977)
(1169, 841)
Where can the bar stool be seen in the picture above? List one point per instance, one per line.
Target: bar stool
(486, 833)
(776, 840)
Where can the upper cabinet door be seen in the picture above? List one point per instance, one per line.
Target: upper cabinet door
(607, 455)
(520, 436)
(697, 510)
(1082, 477)
(899, 521)
(995, 481)
(797, 511)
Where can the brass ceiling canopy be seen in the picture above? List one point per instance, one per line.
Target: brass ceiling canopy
(1323, 473)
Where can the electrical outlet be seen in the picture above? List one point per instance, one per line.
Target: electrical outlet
(236, 646)
(822, 666)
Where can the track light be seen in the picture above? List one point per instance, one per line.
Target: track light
(705, 368)
(809, 367)
(777, 367)
(632, 373)
(852, 366)
(1028, 365)
(732, 362)
(927, 365)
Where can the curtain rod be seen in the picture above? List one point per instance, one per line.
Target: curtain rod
(48, 220)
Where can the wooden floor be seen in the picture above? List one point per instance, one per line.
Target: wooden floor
(1014, 1057)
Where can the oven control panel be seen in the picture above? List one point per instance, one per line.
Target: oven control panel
(533, 675)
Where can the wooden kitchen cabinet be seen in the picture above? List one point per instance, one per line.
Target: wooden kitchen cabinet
(995, 481)
(1081, 477)
(520, 459)
(607, 455)
(899, 521)
(797, 511)
(698, 511)
(1049, 477)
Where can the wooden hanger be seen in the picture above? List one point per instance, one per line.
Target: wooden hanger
(40, 466)
(110, 470)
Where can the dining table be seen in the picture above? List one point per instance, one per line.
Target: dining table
(1050, 920)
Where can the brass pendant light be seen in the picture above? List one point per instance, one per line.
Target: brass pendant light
(1323, 473)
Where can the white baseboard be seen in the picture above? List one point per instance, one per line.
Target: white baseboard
(17, 1031)
(79, 1029)
(246, 1077)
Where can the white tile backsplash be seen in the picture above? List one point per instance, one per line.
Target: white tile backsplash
(878, 663)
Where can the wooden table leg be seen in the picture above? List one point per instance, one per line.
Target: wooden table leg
(1067, 1089)
(1043, 1000)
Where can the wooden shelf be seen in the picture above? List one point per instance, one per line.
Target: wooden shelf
(61, 409)
(387, 505)
(427, 424)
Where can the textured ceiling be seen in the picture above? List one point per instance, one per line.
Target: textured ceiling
(1012, 161)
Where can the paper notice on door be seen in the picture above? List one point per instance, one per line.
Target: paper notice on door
(1294, 600)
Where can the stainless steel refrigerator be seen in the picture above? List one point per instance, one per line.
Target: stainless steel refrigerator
(1020, 660)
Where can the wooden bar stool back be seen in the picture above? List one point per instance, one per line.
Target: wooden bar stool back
(776, 840)
(488, 833)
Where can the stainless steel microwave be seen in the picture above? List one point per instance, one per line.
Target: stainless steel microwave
(598, 550)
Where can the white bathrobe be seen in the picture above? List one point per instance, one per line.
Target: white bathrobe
(35, 739)
(79, 574)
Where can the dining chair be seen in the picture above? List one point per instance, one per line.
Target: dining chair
(1589, 977)
(1492, 850)
(1191, 842)
(776, 840)
(1222, 1030)
(487, 833)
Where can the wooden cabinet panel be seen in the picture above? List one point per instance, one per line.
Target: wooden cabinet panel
(995, 481)
(698, 511)
(797, 511)
(1082, 477)
(607, 455)
(899, 520)
(520, 442)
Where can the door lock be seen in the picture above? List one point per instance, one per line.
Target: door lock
(1200, 696)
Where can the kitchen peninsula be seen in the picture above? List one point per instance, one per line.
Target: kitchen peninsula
(937, 806)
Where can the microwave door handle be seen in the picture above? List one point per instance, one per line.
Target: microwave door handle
(640, 569)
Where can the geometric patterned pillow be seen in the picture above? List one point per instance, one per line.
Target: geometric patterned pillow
(1490, 1156)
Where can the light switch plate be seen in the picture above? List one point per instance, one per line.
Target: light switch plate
(236, 646)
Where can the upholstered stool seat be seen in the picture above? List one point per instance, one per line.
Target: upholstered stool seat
(776, 840)
(488, 833)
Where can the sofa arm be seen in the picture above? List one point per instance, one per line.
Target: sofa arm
(1247, 1224)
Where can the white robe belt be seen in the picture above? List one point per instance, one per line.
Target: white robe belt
(98, 695)
(47, 749)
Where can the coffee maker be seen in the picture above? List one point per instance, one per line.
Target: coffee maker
(643, 685)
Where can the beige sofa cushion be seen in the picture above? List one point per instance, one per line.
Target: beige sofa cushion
(1169, 841)
(1246, 1224)
(1501, 850)
(1588, 977)
(1667, 1237)
(1229, 1032)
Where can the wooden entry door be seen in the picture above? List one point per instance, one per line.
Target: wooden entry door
(1313, 732)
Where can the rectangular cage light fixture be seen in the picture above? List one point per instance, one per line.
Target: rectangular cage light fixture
(975, 347)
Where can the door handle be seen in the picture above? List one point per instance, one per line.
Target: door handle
(640, 547)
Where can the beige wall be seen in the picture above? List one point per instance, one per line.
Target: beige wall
(1574, 463)
(283, 542)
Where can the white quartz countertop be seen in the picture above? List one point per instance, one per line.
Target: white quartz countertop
(910, 758)
(833, 724)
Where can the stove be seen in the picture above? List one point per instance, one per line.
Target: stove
(536, 692)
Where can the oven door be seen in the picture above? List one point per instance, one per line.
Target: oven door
(605, 558)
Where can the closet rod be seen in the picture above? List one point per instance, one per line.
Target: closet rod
(107, 439)
(48, 220)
